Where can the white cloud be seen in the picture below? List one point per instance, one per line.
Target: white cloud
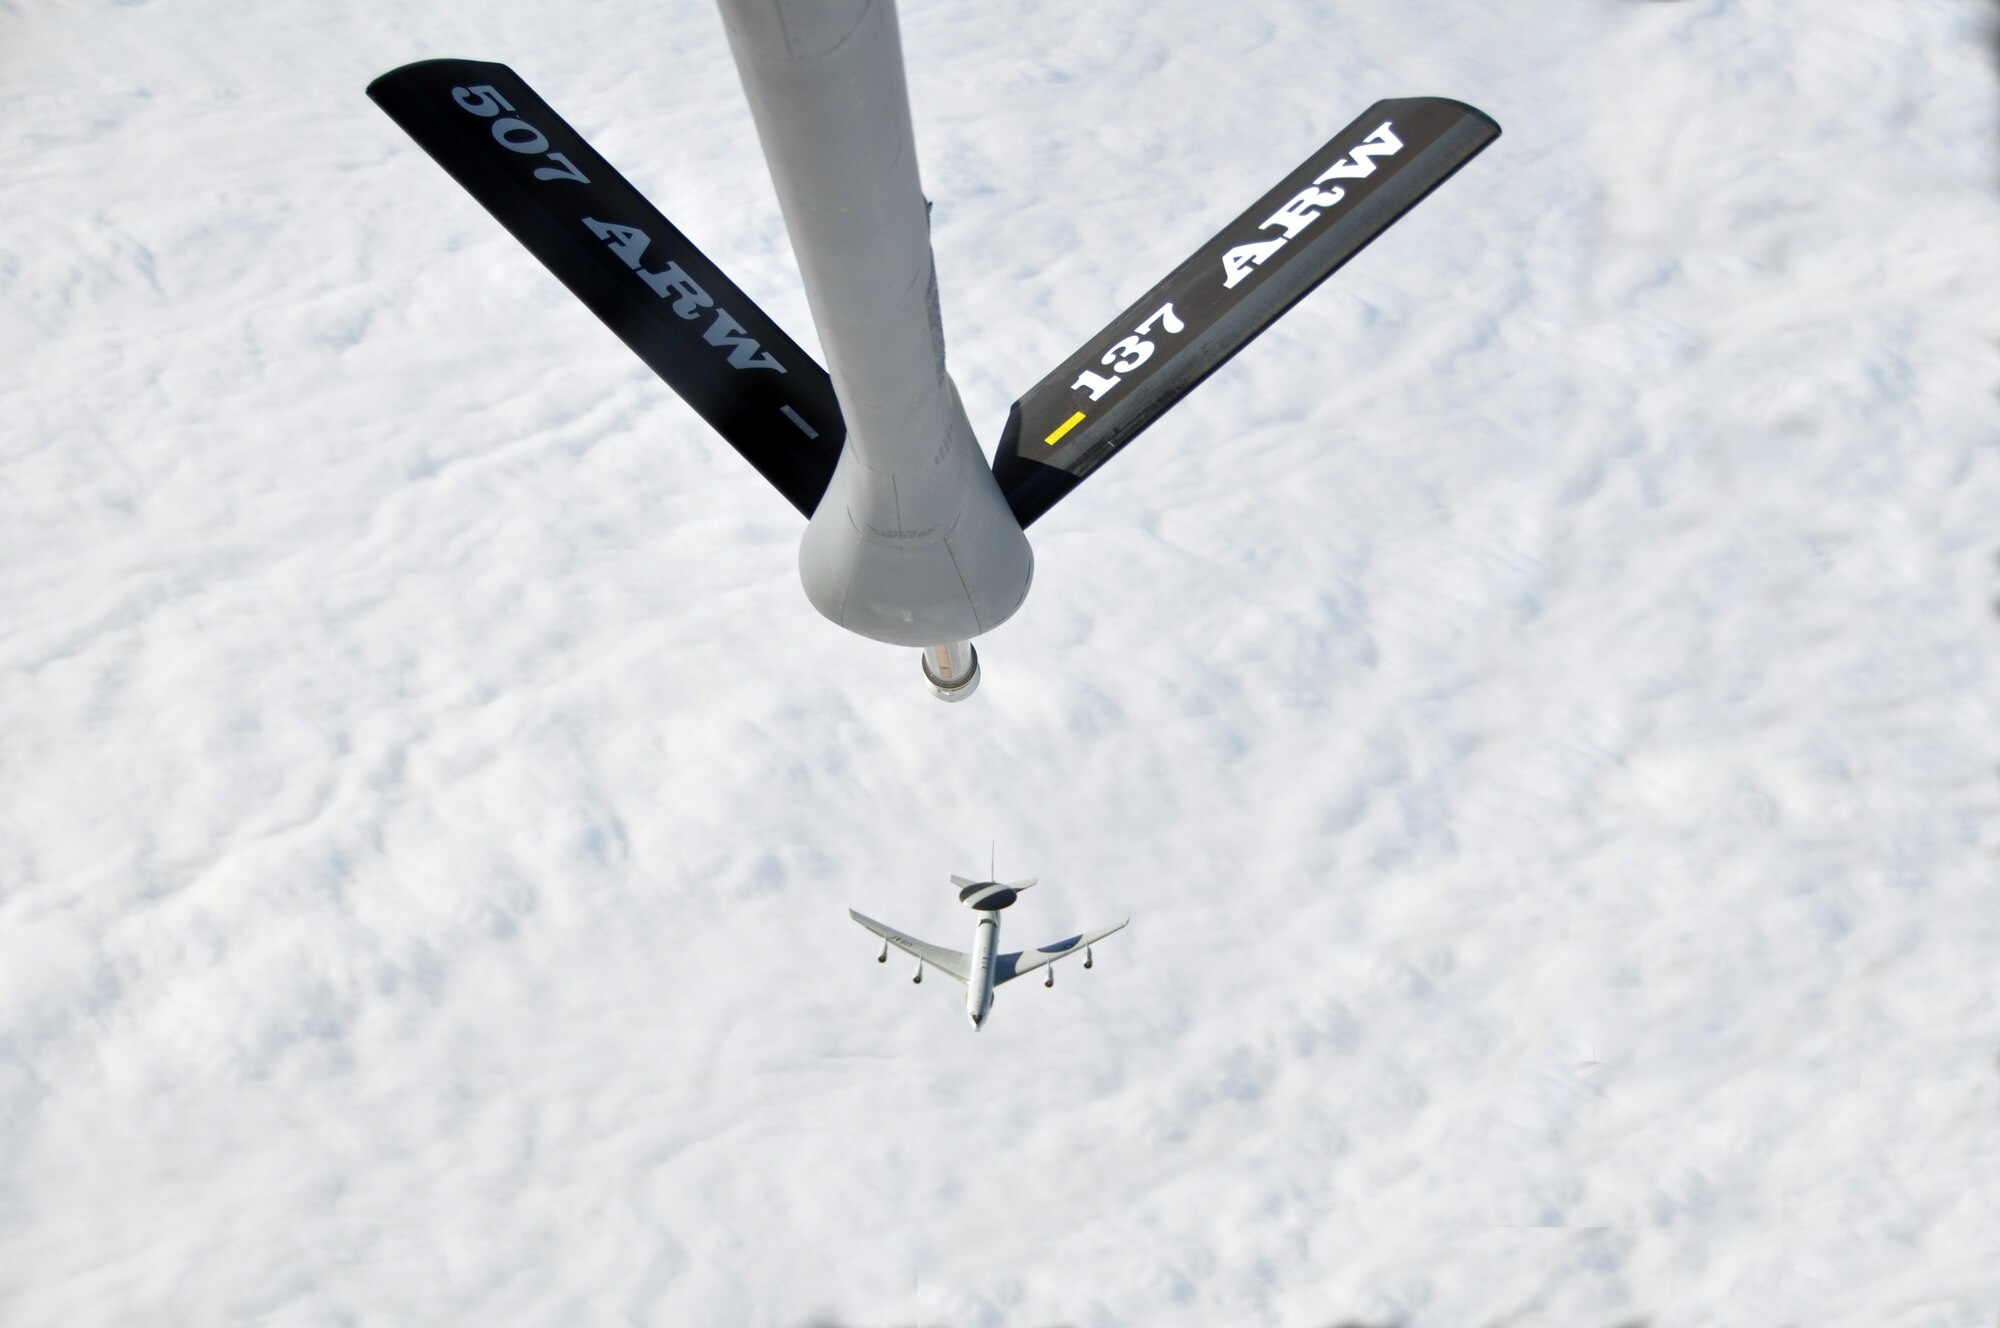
(1536, 703)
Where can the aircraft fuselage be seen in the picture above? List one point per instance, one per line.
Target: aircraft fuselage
(985, 955)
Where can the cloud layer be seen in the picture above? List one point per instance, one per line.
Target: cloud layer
(1537, 703)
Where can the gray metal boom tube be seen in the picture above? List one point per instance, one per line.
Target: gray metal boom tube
(913, 543)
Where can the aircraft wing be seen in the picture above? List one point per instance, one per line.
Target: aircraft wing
(955, 962)
(1010, 966)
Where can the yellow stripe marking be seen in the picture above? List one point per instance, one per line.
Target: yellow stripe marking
(1067, 425)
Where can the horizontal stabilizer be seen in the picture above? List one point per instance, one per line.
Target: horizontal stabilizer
(955, 962)
(615, 251)
(1184, 329)
(1007, 967)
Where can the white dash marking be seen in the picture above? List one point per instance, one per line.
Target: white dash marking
(797, 419)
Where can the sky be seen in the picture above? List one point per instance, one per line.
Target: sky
(1538, 703)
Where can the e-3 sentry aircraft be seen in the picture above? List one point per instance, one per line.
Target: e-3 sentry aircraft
(911, 537)
(985, 968)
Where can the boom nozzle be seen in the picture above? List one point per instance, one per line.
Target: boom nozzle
(952, 670)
